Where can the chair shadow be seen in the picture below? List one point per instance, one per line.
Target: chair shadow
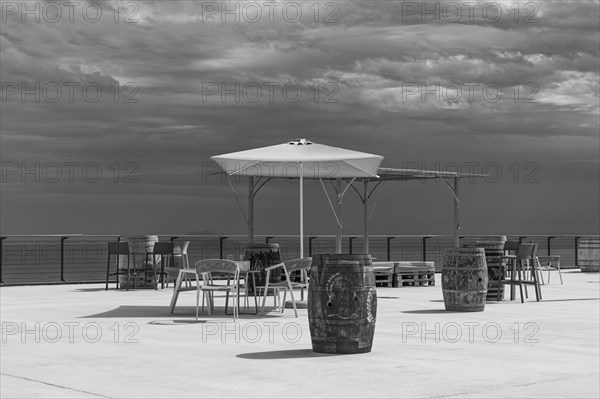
(127, 311)
(89, 289)
(284, 354)
(137, 311)
(176, 322)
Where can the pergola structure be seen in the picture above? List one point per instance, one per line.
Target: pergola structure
(369, 185)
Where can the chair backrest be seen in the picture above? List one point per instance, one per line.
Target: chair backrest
(511, 246)
(298, 264)
(163, 248)
(184, 247)
(118, 248)
(527, 250)
(217, 266)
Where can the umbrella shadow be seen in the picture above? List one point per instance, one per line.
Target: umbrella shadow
(284, 354)
(134, 311)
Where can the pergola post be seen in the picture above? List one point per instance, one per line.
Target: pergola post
(366, 215)
(338, 234)
(456, 213)
(251, 209)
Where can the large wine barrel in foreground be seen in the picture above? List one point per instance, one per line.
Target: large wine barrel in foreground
(588, 254)
(261, 256)
(342, 303)
(138, 247)
(464, 279)
(494, 249)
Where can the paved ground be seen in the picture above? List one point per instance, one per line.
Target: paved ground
(81, 341)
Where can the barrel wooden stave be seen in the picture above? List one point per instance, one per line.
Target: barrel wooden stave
(494, 248)
(260, 257)
(342, 303)
(464, 279)
(588, 254)
(139, 245)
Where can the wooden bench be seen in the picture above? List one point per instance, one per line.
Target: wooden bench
(384, 273)
(414, 273)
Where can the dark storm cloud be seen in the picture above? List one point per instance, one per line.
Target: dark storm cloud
(376, 76)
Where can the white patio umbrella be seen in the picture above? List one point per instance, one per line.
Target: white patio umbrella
(300, 159)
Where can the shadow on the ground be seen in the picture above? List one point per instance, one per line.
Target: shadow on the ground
(285, 354)
(89, 289)
(137, 311)
(428, 311)
(127, 311)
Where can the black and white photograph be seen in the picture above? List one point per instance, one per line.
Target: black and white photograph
(300, 199)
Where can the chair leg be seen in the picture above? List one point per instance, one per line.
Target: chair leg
(107, 271)
(176, 292)
(262, 311)
(520, 277)
(559, 274)
(198, 300)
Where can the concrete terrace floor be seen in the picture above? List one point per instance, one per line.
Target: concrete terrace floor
(119, 344)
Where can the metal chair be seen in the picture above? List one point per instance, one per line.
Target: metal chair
(207, 268)
(549, 263)
(166, 252)
(519, 264)
(289, 266)
(116, 249)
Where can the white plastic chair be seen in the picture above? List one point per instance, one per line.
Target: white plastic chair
(207, 268)
(289, 266)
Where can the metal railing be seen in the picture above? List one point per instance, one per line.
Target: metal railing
(63, 259)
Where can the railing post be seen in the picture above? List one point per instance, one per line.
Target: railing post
(1, 259)
(389, 252)
(310, 240)
(549, 238)
(350, 244)
(62, 259)
(424, 257)
(577, 251)
(221, 239)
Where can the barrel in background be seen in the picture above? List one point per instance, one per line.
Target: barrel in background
(342, 303)
(464, 279)
(588, 254)
(494, 249)
(142, 273)
(260, 257)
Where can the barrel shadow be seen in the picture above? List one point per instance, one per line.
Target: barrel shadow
(284, 354)
(429, 311)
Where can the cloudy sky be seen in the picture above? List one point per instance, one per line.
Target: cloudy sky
(109, 116)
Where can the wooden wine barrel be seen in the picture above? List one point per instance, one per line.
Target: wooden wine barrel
(464, 279)
(494, 248)
(588, 254)
(138, 247)
(342, 303)
(261, 256)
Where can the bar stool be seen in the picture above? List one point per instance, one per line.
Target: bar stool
(115, 249)
(519, 263)
(166, 252)
(182, 254)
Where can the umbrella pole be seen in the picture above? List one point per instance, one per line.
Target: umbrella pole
(301, 210)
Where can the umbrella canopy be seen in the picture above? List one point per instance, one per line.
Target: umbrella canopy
(300, 159)
(284, 160)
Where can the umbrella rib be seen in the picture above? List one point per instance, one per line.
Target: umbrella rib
(237, 200)
(330, 203)
(245, 167)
